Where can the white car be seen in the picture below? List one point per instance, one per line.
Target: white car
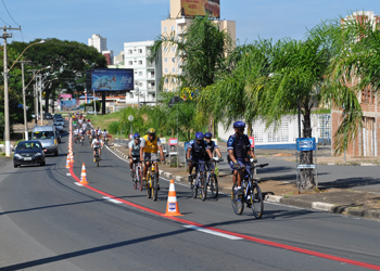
(58, 126)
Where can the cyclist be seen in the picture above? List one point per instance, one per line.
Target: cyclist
(97, 143)
(196, 151)
(76, 134)
(84, 125)
(149, 145)
(93, 132)
(98, 131)
(81, 133)
(105, 135)
(134, 151)
(239, 153)
(213, 147)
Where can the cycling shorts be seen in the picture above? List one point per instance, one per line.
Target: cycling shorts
(150, 156)
(241, 162)
(210, 165)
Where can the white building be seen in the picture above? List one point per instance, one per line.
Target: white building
(98, 42)
(147, 75)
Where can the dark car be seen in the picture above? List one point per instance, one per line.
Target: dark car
(29, 153)
(49, 116)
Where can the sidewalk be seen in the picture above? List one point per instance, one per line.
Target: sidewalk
(336, 200)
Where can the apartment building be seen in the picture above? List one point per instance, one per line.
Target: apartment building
(98, 42)
(368, 135)
(147, 74)
(176, 25)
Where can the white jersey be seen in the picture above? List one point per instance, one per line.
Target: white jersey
(84, 125)
(76, 131)
(96, 143)
(105, 134)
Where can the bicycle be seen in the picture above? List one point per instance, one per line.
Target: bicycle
(82, 140)
(152, 181)
(97, 157)
(252, 194)
(212, 180)
(137, 178)
(199, 178)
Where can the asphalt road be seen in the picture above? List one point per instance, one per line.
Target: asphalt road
(48, 222)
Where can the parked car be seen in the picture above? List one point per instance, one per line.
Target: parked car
(58, 126)
(29, 152)
(90, 112)
(47, 135)
(49, 116)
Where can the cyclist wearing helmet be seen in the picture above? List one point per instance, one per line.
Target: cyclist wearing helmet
(148, 151)
(213, 147)
(239, 153)
(97, 143)
(197, 150)
(134, 151)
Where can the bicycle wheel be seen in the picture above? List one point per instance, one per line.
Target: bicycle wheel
(97, 161)
(194, 188)
(135, 181)
(257, 202)
(214, 186)
(203, 186)
(149, 188)
(154, 186)
(236, 200)
(139, 179)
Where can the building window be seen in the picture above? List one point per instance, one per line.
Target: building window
(172, 27)
(130, 52)
(164, 28)
(140, 51)
(166, 70)
(166, 80)
(130, 63)
(173, 59)
(166, 60)
(140, 62)
(140, 73)
(368, 96)
(173, 69)
(165, 49)
(173, 48)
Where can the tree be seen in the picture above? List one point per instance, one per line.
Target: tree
(203, 49)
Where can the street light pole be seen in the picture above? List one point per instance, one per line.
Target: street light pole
(6, 97)
(24, 101)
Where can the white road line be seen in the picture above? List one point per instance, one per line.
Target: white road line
(224, 235)
(78, 184)
(112, 200)
(68, 174)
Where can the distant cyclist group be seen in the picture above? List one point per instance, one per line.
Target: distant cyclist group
(144, 167)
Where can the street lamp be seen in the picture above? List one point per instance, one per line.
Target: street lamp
(6, 98)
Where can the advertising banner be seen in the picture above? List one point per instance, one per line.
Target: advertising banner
(112, 80)
(252, 141)
(173, 141)
(194, 8)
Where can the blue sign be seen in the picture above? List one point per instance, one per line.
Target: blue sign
(306, 144)
(186, 144)
(112, 80)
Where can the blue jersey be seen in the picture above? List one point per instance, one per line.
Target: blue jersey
(197, 150)
(240, 145)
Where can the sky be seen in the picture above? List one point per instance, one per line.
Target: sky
(127, 21)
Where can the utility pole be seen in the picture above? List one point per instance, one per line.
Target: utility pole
(6, 97)
(24, 99)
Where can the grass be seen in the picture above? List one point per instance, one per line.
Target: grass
(103, 121)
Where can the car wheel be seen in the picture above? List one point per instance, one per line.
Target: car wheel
(14, 165)
(56, 153)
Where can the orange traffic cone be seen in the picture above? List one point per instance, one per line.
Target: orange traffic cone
(83, 175)
(68, 161)
(172, 206)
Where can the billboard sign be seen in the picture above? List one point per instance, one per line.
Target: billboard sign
(112, 80)
(194, 8)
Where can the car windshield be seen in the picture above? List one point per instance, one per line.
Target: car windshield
(43, 135)
(57, 124)
(28, 146)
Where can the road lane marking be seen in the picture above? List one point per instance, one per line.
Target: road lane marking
(113, 200)
(68, 174)
(242, 236)
(224, 235)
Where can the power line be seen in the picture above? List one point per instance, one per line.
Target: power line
(9, 12)
(4, 21)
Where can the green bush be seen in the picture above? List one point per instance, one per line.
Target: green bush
(114, 127)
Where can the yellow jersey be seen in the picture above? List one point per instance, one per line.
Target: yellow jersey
(150, 146)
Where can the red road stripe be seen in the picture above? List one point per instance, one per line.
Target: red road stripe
(246, 237)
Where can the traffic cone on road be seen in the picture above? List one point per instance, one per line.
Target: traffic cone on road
(83, 175)
(172, 205)
(68, 161)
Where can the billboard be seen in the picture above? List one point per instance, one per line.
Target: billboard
(112, 80)
(194, 8)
